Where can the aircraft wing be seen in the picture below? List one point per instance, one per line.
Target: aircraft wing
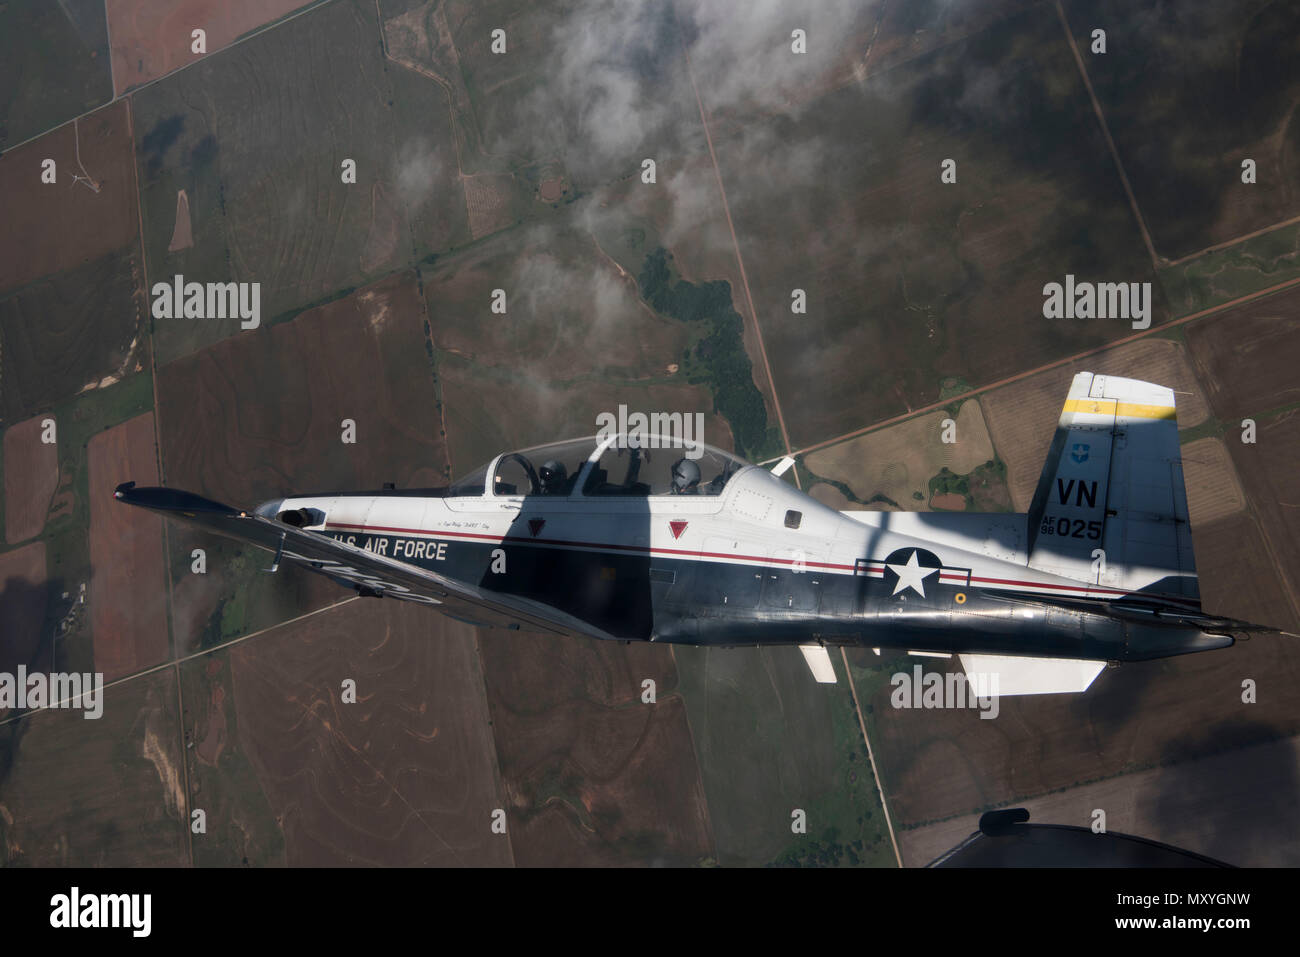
(1010, 675)
(352, 566)
(819, 663)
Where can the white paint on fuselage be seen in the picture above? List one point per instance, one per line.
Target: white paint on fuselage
(718, 528)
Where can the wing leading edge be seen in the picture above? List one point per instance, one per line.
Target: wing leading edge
(369, 573)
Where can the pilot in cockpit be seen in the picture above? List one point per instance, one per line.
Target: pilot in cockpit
(554, 478)
(686, 477)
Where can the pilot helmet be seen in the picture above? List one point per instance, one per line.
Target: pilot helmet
(553, 474)
(686, 474)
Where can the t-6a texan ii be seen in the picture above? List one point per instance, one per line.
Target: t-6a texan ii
(638, 538)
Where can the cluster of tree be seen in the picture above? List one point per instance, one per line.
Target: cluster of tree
(946, 482)
(824, 854)
(720, 352)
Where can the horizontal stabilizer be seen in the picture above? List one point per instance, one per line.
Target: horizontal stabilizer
(819, 662)
(1029, 675)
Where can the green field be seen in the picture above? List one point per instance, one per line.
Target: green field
(64, 332)
(263, 170)
(770, 741)
(242, 830)
(1220, 276)
(67, 556)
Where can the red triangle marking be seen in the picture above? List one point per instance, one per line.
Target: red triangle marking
(535, 525)
(677, 528)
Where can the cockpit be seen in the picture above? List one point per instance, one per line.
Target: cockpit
(603, 466)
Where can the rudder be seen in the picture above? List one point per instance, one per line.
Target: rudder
(1111, 507)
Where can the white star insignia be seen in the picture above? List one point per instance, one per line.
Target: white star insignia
(911, 575)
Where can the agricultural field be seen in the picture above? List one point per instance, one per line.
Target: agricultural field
(85, 213)
(31, 476)
(558, 96)
(88, 419)
(291, 773)
(264, 173)
(23, 598)
(1237, 62)
(127, 585)
(71, 331)
(1244, 357)
(899, 467)
(934, 283)
(54, 65)
(1255, 264)
(564, 301)
(910, 30)
(592, 774)
(154, 37)
(771, 743)
(101, 793)
(361, 358)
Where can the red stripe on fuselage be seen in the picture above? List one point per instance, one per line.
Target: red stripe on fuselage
(1088, 591)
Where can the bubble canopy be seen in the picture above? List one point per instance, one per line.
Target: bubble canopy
(604, 466)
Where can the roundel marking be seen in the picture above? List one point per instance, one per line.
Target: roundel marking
(909, 568)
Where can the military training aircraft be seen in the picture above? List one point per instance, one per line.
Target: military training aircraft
(647, 538)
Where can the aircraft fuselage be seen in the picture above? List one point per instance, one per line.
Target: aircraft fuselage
(761, 563)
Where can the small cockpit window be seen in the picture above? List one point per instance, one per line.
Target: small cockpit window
(469, 486)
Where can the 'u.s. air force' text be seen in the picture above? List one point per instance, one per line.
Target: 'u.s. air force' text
(400, 547)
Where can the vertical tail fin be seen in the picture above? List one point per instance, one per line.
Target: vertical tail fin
(1110, 507)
